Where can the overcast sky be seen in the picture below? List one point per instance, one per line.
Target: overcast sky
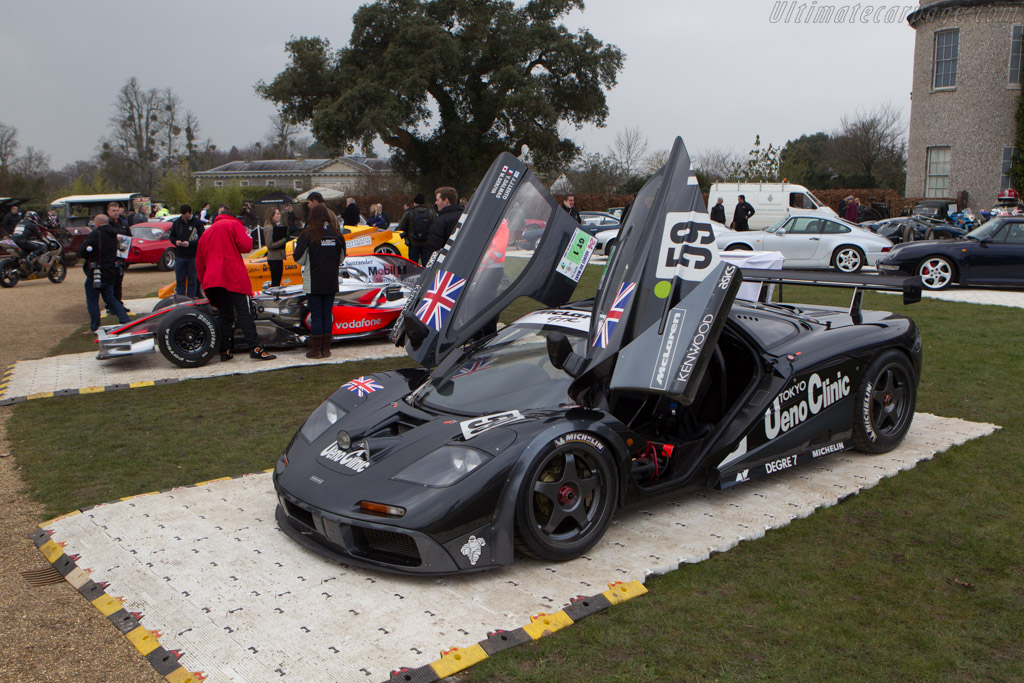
(715, 72)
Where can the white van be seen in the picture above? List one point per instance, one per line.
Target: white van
(771, 201)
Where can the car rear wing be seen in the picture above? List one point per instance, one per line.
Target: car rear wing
(910, 286)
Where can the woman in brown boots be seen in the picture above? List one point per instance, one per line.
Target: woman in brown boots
(321, 248)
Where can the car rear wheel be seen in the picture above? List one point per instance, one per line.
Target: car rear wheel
(885, 407)
(9, 274)
(610, 246)
(388, 249)
(566, 500)
(166, 261)
(188, 337)
(937, 272)
(58, 271)
(848, 259)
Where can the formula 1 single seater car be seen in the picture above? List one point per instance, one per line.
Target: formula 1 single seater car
(371, 297)
(529, 439)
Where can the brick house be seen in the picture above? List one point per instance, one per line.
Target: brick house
(347, 174)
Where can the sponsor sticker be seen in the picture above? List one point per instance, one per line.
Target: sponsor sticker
(577, 255)
(479, 425)
(363, 386)
(473, 548)
(694, 348)
(802, 399)
(830, 448)
(575, 320)
(659, 380)
(580, 437)
(359, 242)
(356, 459)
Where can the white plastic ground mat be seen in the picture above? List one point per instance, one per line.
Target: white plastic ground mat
(82, 373)
(207, 568)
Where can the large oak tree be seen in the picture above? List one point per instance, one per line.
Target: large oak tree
(448, 84)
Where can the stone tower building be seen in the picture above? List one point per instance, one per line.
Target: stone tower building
(967, 80)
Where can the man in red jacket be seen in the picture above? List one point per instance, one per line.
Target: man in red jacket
(226, 283)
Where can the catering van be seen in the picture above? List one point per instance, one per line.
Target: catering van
(771, 201)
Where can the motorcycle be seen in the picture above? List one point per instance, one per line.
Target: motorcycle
(17, 267)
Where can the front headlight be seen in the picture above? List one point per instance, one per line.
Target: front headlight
(326, 414)
(443, 467)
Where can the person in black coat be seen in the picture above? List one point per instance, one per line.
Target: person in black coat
(321, 247)
(350, 215)
(184, 235)
(99, 254)
(569, 204)
(742, 214)
(718, 211)
(448, 213)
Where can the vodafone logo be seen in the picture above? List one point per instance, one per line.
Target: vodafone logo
(357, 324)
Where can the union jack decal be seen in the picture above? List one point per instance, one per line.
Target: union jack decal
(475, 366)
(363, 386)
(439, 301)
(614, 315)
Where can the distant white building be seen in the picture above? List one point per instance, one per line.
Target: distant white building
(345, 174)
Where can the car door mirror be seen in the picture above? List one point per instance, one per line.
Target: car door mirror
(561, 355)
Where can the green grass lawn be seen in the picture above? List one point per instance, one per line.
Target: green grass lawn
(919, 578)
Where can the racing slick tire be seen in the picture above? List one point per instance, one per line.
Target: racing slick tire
(9, 274)
(886, 398)
(166, 261)
(937, 272)
(848, 259)
(566, 500)
(58, 271)
(188, 337)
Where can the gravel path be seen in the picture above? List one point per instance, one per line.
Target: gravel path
(50, 633)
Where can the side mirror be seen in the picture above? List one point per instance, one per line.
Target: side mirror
(559, 349)
(393, 292)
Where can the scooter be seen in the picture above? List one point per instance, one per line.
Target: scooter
(17, 266)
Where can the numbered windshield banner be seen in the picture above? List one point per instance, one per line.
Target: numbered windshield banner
(577, 255)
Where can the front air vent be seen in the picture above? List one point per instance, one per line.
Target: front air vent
(388, 546)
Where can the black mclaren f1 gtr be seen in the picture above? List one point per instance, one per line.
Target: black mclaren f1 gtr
(529, 439)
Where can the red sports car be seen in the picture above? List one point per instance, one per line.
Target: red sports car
(150, 244)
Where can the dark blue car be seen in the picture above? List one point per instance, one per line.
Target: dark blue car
(991, 255)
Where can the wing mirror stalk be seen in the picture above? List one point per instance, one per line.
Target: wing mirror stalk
(562, 356)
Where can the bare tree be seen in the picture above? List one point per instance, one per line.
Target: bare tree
(873, 142)
(34, 162)
(656, 160)
(629, 150)
(716, 163)
(595, 174)
(137, 130)
(8, 146)
(285, 137)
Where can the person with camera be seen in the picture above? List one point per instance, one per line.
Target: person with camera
(99, 253)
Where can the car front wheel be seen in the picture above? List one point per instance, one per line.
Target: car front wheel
(848, 259)
(188, 337)
(885, 403)
(738, 247)
(388, 249)
(936, 272)
(566, 500)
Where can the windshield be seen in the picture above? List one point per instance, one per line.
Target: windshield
(509, 372)
(987, 229)
(146, 232)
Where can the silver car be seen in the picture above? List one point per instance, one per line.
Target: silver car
(809, 240)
